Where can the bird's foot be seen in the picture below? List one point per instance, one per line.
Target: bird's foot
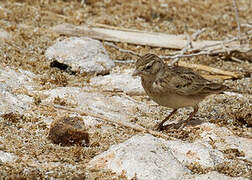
(161, 127)
(158, 127)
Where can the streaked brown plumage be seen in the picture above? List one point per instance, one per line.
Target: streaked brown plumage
(173, 86)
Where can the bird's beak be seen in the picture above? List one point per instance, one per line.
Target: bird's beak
(136, 73)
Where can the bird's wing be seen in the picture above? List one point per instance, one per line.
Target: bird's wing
(184, 81)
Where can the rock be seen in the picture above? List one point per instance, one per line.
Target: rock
(81, 54)
(68, 131)
(13, 90)
(145, 157)
(7, 157)
(225, 140)
(17, 79)
(118, 107)
(149, 157)
(119, 81)
(4, 35)
(195, 152)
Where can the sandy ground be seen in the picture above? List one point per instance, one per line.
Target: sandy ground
(28, 23)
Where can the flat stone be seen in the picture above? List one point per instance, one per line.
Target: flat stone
(81, 54)
(195, 152)
(145, 157)
(224, 139)
(14, 84)
(119, 107)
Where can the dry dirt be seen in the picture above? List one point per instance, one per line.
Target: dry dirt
(28, 22)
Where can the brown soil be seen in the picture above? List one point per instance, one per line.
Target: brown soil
(28, 22)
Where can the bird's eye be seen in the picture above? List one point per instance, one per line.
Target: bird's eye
(148, 67)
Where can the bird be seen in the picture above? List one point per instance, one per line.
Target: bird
(173, 86)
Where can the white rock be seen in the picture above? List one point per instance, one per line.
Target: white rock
(13, 81)
(7, 157)
(154, 158)
(119, 81)
(115, 107)
(4, 35)
(225, 139)
(84, 54)
(195, 152)
(17, 79)
(146, 156)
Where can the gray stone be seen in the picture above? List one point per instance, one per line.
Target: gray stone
(145, 157)
(114, 107)
(195, 152)
(12, 87)
(224, 139)
(153, 158)
(81, 54)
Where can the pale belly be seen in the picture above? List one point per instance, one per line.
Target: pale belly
(175, 101)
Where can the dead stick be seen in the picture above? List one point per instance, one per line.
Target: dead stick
(180, 55)
(208, 69)
(195, 35)
(120, 49)
(183, 51)
(237, 18)
(120, 123)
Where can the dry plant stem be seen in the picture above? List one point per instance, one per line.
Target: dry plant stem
(196, 35)
(183, 51)
(120, 123)
(189, 44)
(208, 69)
(120, 49)
(237, 18)
(152, 39)
(155, 40)
(113, 27)
(236, 59)
(247, 25)
(203, 51)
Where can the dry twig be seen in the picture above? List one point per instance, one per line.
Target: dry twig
(120, 49)
(247, 25)
(120, 123)
(188, 45)
(209, 69)
(153, 39)
(237, 18)
(204, 50)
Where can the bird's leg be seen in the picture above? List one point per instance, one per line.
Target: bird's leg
(195, 110)
(180, 125)
(160, 125)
